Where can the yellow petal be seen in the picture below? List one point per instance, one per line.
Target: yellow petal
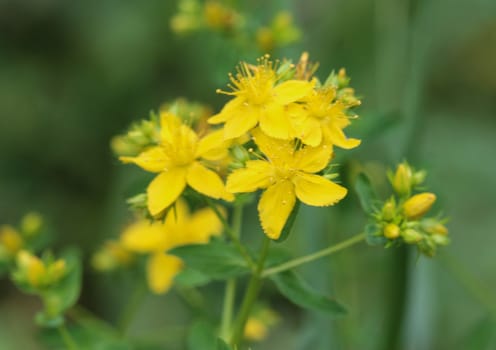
(313, 159)
(292, 90)
(161, 270)
(144, 236)
(257, 174)
(244, 120)
(227, 112)
(337, 137)
(275, 123)
(169, 125)
(316, 190)
(153, 159)
(304, 126)
(165, 189)
(206, 182)
(213, 146)
(278, 151)
(203, 225)
(274, 207)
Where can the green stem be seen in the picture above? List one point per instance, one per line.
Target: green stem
(471, 284)
(88, 319)
(132, 306)
(250, 296)
(232, 235)
(67, 338)
(230, 291)
(314, 256)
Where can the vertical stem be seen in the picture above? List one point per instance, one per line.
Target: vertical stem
(250, 296)
(131, 308)
(230, 291)
(67, 338)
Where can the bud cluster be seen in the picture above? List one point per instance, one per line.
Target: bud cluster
(25, 236)
(402, 218)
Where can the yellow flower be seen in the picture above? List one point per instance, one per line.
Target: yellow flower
(179, 161)
(287, 174)
(260, 99)
(321, 118)
(179, 228)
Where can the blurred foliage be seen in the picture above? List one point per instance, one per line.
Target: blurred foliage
(74, 74)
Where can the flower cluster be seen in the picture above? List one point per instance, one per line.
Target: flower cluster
(401, 218)
(277, 133)
(294, 121)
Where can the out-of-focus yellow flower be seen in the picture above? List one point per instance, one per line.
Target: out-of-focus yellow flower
(10, 240)
(111, 256)
(418, 205)
(179, 159)
(287, 174)
(219, 17)
(37, 273)
(259, 98)
(259, 323)
(280, 32)
(179, 228)
(255, 330)
(31, 224)
(321, 118)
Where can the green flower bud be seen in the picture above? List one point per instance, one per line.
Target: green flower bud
(411, 236)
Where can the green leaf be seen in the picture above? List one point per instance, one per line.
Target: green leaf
(365, 193)
(374, 236)
(189, 277)
(299, 292)
(289, 223)
(217, 259)
(203, 336)
(482, 336)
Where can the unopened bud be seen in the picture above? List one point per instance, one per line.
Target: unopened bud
(10, 239)
(440, 239)
(419, 177)
(391, 231)
(389, 210)
(402, 180)
(32, 267)
(31, 224)
(411, 236)
(418, 205)
(434, 227)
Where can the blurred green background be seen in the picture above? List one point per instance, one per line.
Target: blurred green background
(74, 73)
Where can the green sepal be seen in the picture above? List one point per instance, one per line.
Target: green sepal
(299, 292)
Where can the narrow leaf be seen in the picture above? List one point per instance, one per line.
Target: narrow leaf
(300, 293)
(365, 193)
(217, 259)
